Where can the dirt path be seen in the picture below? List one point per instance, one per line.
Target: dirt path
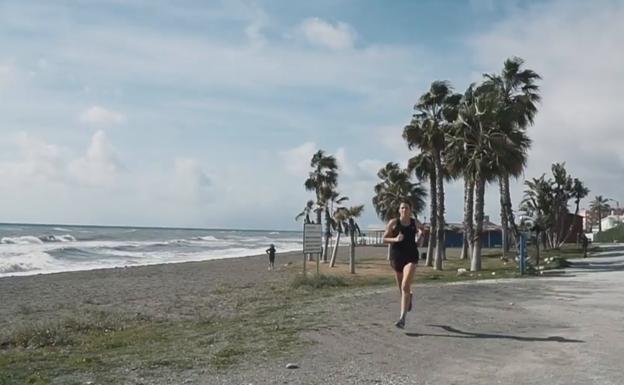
(558, 330)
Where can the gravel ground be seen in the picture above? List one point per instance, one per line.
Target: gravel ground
(557, 330)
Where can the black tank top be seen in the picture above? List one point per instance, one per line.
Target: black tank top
(407, 247)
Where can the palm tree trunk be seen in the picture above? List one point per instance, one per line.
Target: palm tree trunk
(537, 246)
(567, 233)
(437, 263)
(511, 219)
(432, 220)
(327, 233)
(333, 257)
(352, 247)
(475, 263)
(503, 215)
(599, 219)
(468, 208)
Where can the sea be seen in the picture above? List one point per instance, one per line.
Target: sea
(27, 249)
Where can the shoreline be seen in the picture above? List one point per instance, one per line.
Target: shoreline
(82, 269)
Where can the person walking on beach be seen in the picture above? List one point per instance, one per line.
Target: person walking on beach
(271, 252)
(401, 234)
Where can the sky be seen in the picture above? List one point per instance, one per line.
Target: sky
(206, 113)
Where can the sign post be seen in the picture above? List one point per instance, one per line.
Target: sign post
(312, 243)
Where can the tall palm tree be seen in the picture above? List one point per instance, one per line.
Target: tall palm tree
(423, 167)
(483, 148)
(435, 111)
(518, 96)
(346, 218)
(599, 206)
(323, 180)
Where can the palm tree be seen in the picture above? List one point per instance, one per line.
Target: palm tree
(305, 213)
(346, 218)
(394, 188)
(561, 192)
(422, 166)
(537, 204)
(478, 143)
(579, 191)
(336, 199)
(323, 180)
(518, 95)
(598, 206)
(435, 111)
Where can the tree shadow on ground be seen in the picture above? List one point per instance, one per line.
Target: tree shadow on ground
(463, 334)
(597, 266)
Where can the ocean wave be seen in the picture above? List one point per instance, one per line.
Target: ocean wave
(14, 268)
(37, 240)
(62, 229)
(206, 238)
(23, 240)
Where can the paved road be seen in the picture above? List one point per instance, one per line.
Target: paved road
(567, 329)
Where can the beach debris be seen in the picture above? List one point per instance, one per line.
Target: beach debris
(292, 366)
(461, 271)
(493, 273)
(510, 303)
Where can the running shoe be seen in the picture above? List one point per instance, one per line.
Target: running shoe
(400, 323)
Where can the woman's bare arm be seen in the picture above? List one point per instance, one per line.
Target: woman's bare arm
(388, 237)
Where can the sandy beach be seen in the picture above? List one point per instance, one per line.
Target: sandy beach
(159, 291)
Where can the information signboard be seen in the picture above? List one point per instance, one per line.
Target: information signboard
(312, 242)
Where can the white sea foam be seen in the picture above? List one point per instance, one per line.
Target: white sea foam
(23, 240)
(62, 229)
(29, 255)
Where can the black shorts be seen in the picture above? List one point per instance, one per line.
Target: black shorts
(398, 262)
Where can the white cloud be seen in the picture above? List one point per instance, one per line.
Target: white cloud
(576, 47)
(98, 115)
(37, 160)
(99, 166)
(296, 160)
(391, 138)
(344, 167)
(190, 182)
(370, 167)
(325, 34)
(7, 75)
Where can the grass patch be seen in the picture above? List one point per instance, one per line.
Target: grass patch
(104, 347)
(318, 281)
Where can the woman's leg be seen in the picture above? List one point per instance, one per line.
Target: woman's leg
(398, 275)
(406, 283)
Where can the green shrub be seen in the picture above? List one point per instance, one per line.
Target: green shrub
(615, 234)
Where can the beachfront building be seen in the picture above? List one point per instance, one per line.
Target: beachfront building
(453, 235)
(609, 218)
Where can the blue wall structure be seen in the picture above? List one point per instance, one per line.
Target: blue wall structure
(489, 239)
